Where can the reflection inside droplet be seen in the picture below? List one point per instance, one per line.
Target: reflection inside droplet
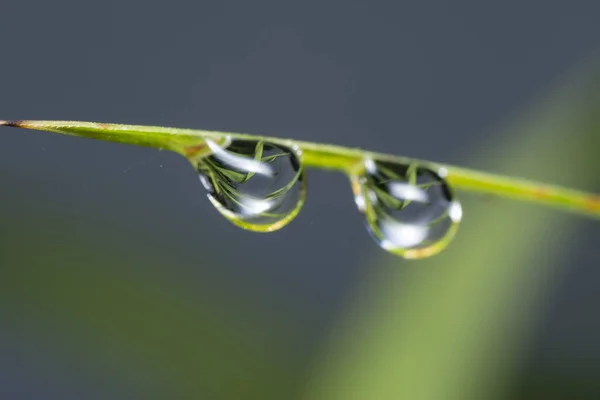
(257, 185)
(409, 209)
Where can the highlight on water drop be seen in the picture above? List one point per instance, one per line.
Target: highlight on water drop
(409, 209)
(257, 185)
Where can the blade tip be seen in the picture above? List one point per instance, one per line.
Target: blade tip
(10, 123)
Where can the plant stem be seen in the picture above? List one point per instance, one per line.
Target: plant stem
(331, 157)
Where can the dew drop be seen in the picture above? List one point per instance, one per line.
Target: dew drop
(409, 209)
(256, 185)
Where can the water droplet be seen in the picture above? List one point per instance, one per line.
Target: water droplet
(409, 209)
(256, 185)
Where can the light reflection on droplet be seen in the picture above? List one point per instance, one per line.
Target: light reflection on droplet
(256, 185)
(401, 190)
(240, 163)
(409, 209)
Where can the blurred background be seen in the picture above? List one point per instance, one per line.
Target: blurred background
(119, 280)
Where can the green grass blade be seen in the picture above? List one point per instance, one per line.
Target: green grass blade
(316, 155)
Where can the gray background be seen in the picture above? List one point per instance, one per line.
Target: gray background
(428, 79)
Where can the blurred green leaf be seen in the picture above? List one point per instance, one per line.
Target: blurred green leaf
(454, 326)
(128, 320)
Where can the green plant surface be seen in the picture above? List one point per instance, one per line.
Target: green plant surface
(191, 144)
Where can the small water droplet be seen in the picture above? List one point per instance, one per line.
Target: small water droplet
(409, 209)
(256, 185)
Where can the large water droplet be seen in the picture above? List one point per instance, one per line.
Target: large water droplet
(256, 185)
(409, 209)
